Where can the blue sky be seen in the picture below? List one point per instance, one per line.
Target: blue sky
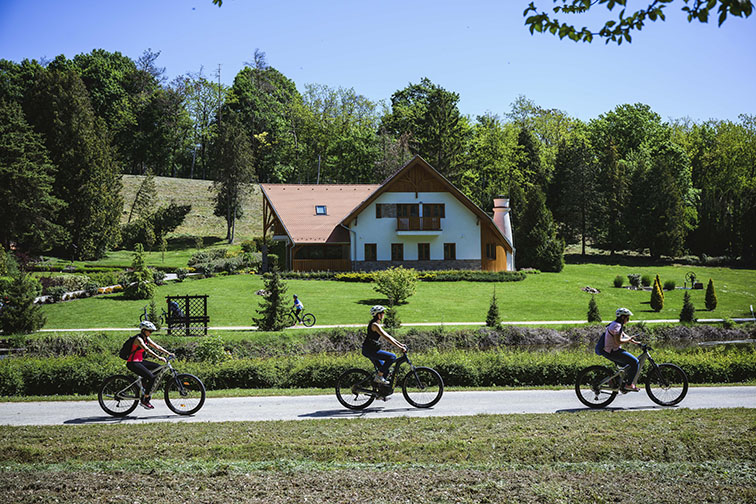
(479, 49)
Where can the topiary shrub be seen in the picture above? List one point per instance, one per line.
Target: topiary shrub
(593, 311)
(669, 285)
(711, 296)
(646, 281)
(688, 312)
(635, 280)
(618, 281)
(657, 298)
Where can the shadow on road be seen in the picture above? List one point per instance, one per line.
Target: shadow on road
(111, 420)
(345, 413)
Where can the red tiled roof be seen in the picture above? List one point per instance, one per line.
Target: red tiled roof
(294, 204)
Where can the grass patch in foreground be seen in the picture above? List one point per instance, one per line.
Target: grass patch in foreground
(645, 456)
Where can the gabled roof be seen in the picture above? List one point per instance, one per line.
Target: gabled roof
(294, 206)
(397, 177)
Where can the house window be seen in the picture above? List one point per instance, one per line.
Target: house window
(450, 251)
(491, 251)
(408, 210)
(423, 251)
(385, 211)
(397, 252)
(434, 210)
(370, 252)
(320, 210)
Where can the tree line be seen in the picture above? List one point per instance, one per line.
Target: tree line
(625, 180)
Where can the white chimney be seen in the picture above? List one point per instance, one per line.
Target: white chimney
(504, 223)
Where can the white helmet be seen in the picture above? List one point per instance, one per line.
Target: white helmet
(624, 311)
(146, 324)
(375, 310)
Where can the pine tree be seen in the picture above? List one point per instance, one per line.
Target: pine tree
(273, 311)
(688, 312)
(28, 208)
(87, 179)
(20, 315)
(145, 197)
(140, 279)
(492, 318)
(711, 296)
(537, 244)
(657, 298)
(593, 311)
(231, 154)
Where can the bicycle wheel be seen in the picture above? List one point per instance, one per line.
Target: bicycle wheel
(292, 320)
(184, 394)
(350, 388)
(667, 384)
(422, 387)
(308, 320)
(119, 395)
(591, 391)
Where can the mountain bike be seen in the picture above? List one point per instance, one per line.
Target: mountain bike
(666, 384)
(184, 393)
(307, 319)
(422, 387)
(145, 315)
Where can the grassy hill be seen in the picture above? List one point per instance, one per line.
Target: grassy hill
(200, 221)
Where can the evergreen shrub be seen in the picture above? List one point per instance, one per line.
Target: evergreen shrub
(618, 281)
(711, 296)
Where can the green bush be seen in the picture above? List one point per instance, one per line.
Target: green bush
(634, 279)
(618, 281)
(83, 375)
(711, 296)
(657, 298)
(397, 284)
(57, 293)
(688, 312)
(669, 285)
(210, 349)
(645, 280)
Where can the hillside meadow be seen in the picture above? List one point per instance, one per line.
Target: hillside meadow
(540, 297)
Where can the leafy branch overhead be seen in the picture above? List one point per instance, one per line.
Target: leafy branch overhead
(619, 29)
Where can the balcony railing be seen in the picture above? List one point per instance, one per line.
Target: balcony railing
(418, 223)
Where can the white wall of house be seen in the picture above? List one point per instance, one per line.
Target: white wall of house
(459, 226)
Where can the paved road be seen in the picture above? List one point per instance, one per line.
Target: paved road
(327, 407)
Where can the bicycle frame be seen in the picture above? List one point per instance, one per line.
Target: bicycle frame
(159, 376)
(621, 370)
(392, 374)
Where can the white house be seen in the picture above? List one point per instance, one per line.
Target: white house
(416, 218)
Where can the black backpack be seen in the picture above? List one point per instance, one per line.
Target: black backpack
(125, 351)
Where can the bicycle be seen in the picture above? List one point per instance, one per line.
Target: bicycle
(184, 393)
(666, 384)
(307, 319)
(422, 387)
(146, 316)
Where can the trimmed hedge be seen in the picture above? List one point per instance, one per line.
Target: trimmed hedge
(83, 375)
(425, 276)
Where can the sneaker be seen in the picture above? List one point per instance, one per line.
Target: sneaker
(380, 380)
(630, 388)
(145, 403)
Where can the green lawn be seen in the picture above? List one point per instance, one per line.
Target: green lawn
(545, 296)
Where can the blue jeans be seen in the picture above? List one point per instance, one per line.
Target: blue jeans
(380, 358)
(623, 358)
